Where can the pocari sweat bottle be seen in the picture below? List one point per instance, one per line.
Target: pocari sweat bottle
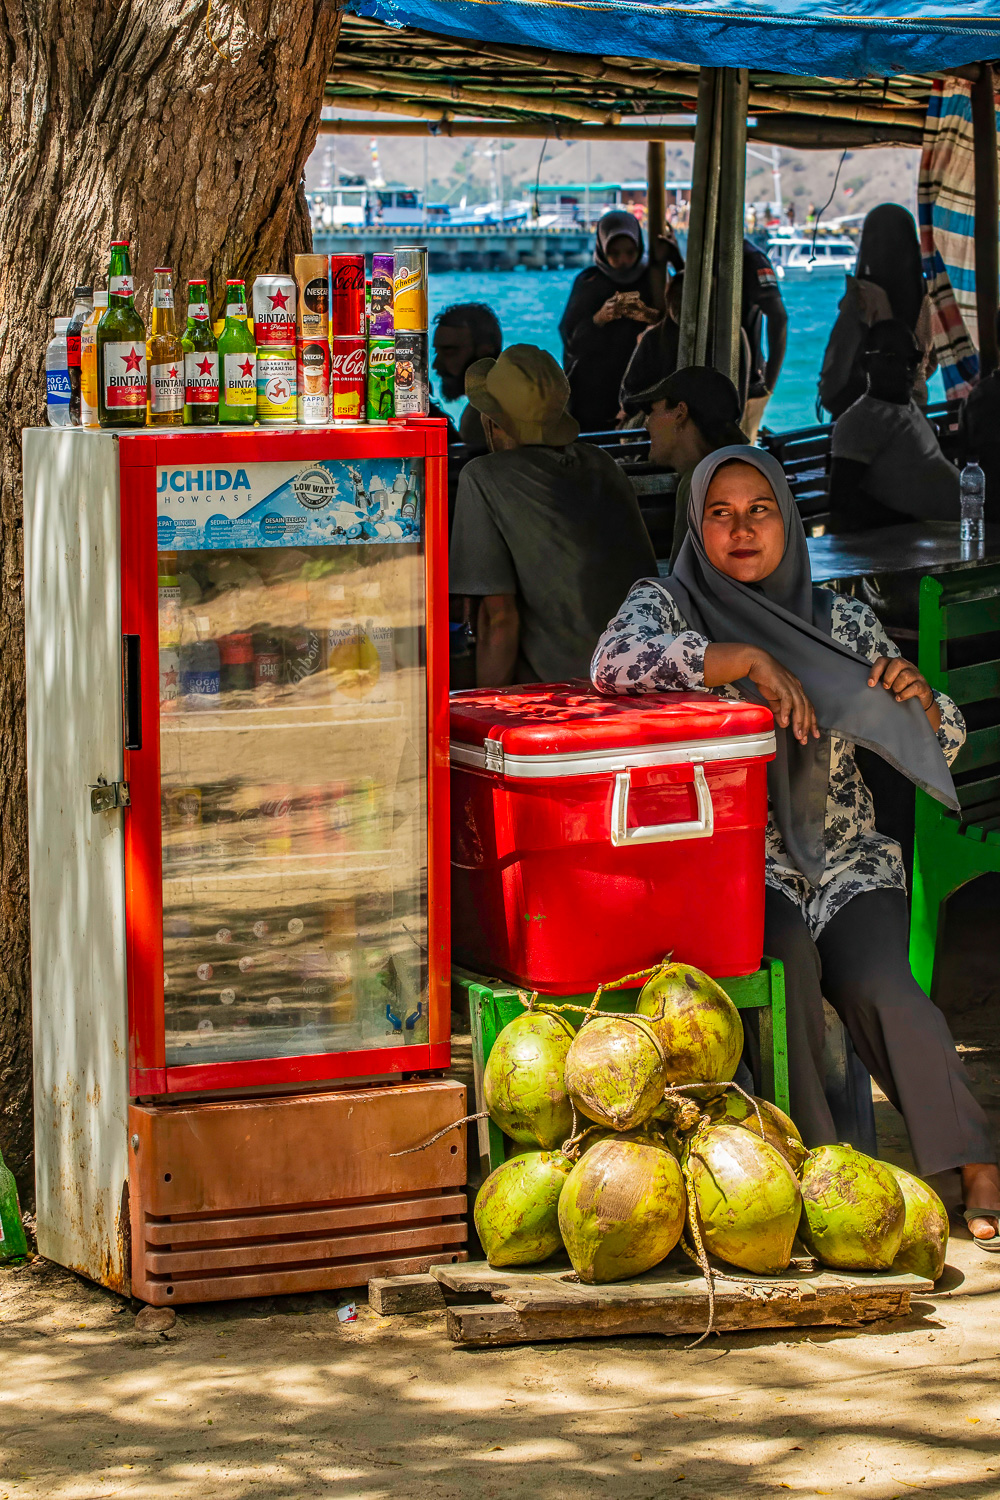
(57, 386)
(972, 486)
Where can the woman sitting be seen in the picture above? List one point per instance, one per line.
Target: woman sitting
(739, 613)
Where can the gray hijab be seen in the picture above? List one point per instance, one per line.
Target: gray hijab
(791, 619)
(618, 221)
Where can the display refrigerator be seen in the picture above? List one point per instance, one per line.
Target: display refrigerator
(238, 837)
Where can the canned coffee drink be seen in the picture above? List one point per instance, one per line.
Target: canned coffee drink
(348, 377)
(276, 385)
(412, 397)
(380, 324)
(380, 403)
(314, 382)
(311, 279)
(409, 295)
(347, 305)
(274, 312)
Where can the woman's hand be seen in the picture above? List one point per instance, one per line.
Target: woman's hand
(901, 678)
(625, 305)
(609, 312)
(781, 690)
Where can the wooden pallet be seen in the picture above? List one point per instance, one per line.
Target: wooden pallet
(486, 1307)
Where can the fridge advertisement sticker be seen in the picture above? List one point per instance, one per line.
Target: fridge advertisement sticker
(322, 503)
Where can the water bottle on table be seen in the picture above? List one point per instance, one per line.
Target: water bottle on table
(972, 526)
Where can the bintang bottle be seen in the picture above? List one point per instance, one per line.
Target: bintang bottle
(164, 356)
(201, 361)
(237, 361)
(121, 349)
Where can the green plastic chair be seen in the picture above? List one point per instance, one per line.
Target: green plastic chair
(959, 655)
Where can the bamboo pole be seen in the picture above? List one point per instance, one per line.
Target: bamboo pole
(427, 119)
(729, 249)
(987, 227)
(454, 93)
(695, 303)
(656, 218)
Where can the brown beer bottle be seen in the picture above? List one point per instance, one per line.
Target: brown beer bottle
(164, 356)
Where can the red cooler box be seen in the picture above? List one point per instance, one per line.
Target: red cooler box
(592, 835)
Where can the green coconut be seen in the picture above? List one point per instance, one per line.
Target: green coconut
(698, 1025)
(517, 1208)
(615, 1071)
(747, 1197)
(779, 1131)
(523, 1079)
(622, 1210)
(853, 1210)
(925, 1228)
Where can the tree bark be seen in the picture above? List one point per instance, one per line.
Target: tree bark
(183, 125)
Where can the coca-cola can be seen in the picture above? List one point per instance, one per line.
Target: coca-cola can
(348, 377)
(313, 359)
(380, 319)
(347, 309)
(274, 312)
(412, 385)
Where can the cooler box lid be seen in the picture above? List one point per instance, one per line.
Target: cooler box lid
(569, 729)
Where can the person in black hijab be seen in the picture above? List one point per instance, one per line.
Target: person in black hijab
(888, 282)
(610, 303)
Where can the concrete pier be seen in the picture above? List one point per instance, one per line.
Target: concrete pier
(470, 247)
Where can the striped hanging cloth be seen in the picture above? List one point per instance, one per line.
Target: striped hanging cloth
(946, 212)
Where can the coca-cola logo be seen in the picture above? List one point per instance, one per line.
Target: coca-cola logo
(349, 278)
(349, 364)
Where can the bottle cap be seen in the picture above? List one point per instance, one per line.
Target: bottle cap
(82, 291)
(62, 324)
(163, 270)
(120, 244)
(100, 299)
(235, 281)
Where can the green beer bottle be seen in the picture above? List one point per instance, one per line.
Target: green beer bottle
(201, 361)
(237, 361)
(13, 1244)
(121, 349)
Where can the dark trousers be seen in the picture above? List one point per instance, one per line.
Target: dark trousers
(860, 963)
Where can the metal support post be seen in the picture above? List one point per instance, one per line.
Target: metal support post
(656, 217)
(987, 229)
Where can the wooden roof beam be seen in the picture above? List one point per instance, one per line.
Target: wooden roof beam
(801, 131)
(455, 94)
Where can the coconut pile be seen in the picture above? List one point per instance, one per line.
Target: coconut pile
(634, 1139)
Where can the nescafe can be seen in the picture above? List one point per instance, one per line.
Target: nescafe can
(347, 287)
(274, 312)
(411, 378)
(276, 385)
(314, 381)
(348, 377)
(409, 288)
(380, 324)
(312, 279)
(380, 404)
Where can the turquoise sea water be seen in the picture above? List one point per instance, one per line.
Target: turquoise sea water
(529, 305)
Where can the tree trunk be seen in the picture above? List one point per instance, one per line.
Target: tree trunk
(184, 126)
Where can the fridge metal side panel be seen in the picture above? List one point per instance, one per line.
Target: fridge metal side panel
(73, 644)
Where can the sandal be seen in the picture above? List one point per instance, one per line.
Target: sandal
(991, 1246)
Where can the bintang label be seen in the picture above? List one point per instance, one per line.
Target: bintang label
(120, 286)
(198, 310)
(201, 377)
(163, 296)
(166, 387)
(124, 375)
(240, 378)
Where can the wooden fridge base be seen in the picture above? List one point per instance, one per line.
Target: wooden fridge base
(488, 1307)
(251, 1197)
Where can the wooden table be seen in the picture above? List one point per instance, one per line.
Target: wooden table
(922, 547)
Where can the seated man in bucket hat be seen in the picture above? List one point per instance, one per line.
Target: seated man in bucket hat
(548, 535)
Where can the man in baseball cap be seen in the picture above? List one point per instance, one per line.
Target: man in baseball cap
(548, 537)
(689, 414)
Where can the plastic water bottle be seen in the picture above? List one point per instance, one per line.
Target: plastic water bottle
(972, 527)
(57, 386)
(13, 1244)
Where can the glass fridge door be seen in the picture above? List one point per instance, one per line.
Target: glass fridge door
(293, 764)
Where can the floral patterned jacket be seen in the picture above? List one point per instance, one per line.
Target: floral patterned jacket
(648, 648)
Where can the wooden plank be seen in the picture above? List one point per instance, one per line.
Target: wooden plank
(982, 748)
(393, 1295)
(975, 683)
(302, 1221)
(391, 1241)
(970, 617)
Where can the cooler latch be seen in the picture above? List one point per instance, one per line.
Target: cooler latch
(493, 751)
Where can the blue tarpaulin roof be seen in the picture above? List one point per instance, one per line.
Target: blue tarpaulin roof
(828, 38)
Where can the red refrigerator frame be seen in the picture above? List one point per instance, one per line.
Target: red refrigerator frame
(139, 456)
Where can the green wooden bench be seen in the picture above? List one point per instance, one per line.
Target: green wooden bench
(959, 654)
(492, 1004)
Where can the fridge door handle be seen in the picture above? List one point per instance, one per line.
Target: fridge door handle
(702, 827)
(131, 694)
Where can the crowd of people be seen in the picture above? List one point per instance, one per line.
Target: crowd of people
(553, 576)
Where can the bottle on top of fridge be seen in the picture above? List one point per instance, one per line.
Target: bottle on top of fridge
(83, 306)
(89, 416)
(57, 386)
(237, 361)
(121, 348)
(201, 360)
(972, 487)
(164, 356)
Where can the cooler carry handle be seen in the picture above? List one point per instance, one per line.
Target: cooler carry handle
(660, 833)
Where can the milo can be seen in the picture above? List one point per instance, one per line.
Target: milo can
(411, 381)
(381, 379)
(409, 288)
(276, 404)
